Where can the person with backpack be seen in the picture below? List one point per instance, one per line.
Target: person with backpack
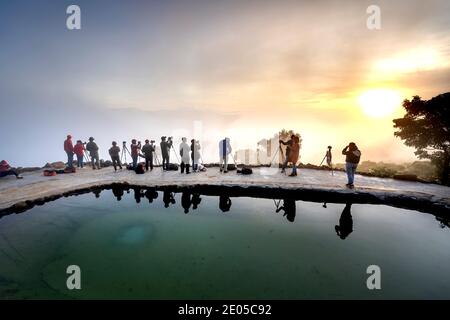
(148, 150)
(184, 153)
(79, 149)
(68, 148)
(224, 151)
(352, 157)
(114, 154)
(92, 147)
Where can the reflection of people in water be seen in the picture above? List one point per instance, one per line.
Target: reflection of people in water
(117, 192)
(196, 200)
(151, 195)
(97, 192)
(224, 203)
(137, 194)
(186, 201)
(289, 209)
(324, 205)
(168, 198)
(345, 226)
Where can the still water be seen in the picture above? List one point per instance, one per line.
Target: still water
(155, 245)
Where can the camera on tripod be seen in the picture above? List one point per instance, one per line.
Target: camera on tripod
(152, 141)
(124, 143)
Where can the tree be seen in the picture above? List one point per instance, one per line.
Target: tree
(426, 126)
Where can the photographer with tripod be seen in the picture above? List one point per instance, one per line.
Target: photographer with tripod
(135, 148)
(165, 151)
(148, 150)
(288, 145)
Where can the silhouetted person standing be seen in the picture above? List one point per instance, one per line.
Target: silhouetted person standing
(115, 158)
(352, 157)
(165, 152)
(93, 153)
(148, 150)
(288, 145)
(345, 226)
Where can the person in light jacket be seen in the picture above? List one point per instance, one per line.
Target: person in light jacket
(185, 158)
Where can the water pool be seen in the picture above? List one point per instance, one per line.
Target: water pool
(164, 245)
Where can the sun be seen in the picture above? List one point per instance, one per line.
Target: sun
(379, 103)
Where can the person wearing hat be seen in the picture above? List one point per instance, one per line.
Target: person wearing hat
(92, 147)
(68, 148)
(115, 158)
(148, 150)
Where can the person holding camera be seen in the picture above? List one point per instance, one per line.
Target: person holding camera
(184, 153)
(165, 151)
(135, 148)
(352, 157)
(92, 147)
(115, 158)
(288, 145)
(148, 150)
(79, 149)
(224, 151)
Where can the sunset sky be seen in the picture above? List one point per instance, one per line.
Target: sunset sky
(243, 69)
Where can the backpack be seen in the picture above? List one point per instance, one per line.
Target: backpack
(140, 168)
(172, 167)
(245, 170)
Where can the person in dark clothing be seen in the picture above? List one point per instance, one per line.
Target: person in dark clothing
(345, 226)
(92, 147)
(165, 152)
(186, 201)
(196, 200)
(68, 148)
(224, 203)
(289, 209)
(352, 157)
(148, 150)
(6, 170)
(135, 147)
(137, 194)
(168, 198)
(151, 195)
(115, 158)
(118, 192)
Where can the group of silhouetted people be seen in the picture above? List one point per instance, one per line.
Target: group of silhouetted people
(190, 155)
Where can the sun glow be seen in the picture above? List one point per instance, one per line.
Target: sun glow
(379, 103)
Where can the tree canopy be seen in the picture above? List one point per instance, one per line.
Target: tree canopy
(426, 126)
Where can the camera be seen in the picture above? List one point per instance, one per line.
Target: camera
(124, 143)
(152, 141)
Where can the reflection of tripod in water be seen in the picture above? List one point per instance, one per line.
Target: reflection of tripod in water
(123, 156)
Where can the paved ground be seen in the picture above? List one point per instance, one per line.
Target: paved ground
(35, 185)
